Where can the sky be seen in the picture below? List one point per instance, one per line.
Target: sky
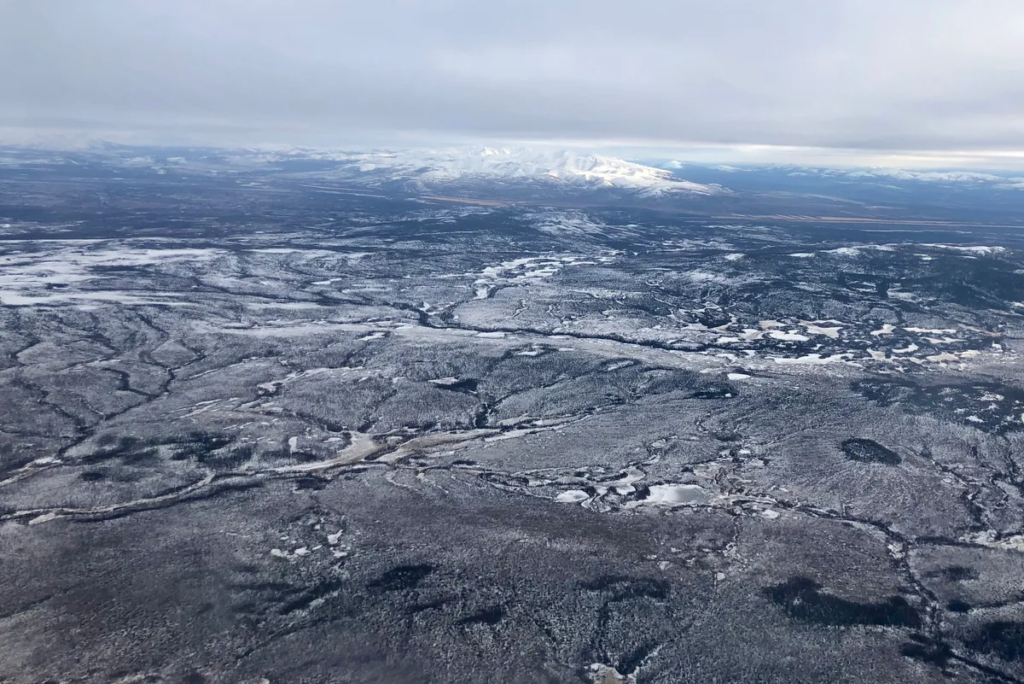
(916, 83)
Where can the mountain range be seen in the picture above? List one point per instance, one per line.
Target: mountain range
(431, 169)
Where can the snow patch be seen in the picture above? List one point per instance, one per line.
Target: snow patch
(572, 496)
(676, 495)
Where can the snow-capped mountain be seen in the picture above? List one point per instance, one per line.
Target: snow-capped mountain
(510, 168)
(521, 164)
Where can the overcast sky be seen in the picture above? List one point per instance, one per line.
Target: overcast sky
(850, 80)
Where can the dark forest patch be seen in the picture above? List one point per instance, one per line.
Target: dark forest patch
(401, 577)
(869, 451)
(491, 615)
(990, 407)
(802, 599)
(1002, 639)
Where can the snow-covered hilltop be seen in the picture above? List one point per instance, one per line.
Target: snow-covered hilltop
(508, 167)
(521, 164)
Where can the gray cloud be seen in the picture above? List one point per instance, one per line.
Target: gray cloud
(864, 74)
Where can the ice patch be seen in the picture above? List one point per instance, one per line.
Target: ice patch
(813, 359)
(751, 334)
(572, 496)
(788, 336)
(707, 277)
(813, 329)
(932, 331)
(676, 495)
(855, 250)
(44, 518)
(942, 340)
(605, 674)
(970, 249)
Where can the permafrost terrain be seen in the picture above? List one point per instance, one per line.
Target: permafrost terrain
(260, 425)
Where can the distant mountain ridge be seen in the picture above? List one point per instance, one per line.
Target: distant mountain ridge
(430, 169)
(515, 164)
(957, 177)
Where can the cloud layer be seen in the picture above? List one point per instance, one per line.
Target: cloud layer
(871, 75)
